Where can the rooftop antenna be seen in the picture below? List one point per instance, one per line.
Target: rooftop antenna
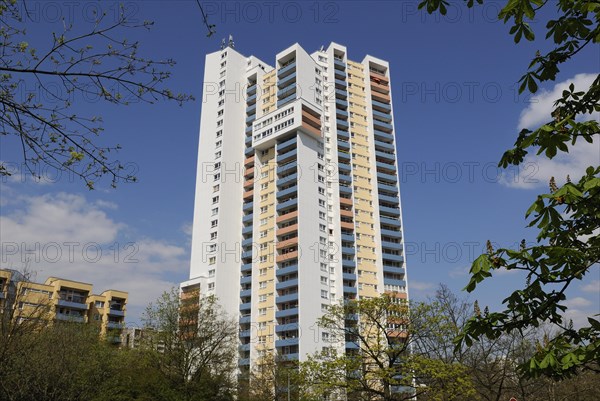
(231, 44)
(322, 48)
(223, 45)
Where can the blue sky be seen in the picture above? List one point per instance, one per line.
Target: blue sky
(455, 106)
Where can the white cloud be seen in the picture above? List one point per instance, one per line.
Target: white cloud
(421, 286)
(536, 171)
(538, 111)
(593, 286)
(65, 236)
(578, 302)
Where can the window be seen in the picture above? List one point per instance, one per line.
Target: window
(322, 227)
(323, 266)
(324, 294)
(214, 223)
(211, 273)
(322, 215)
(219, 123)
(219, 133)
(262, 311)
(321, 191)
(322, 202)
(217, 154)
(262, 285)
(218, 144)
(212, 260)
(215, 199)
(263, 234)
(217, 177)
(264, 209)
(325, 337)
(263, 222)
(262, 259)
(216, 188)
(262, 298)
(263, 271)
(323, 280)
(214, 211)
(211, 286)
(219, 113)
(264, 185)
(213, 235)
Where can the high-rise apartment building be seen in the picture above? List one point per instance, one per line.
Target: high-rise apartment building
(297, 200)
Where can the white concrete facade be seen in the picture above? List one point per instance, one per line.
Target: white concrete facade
(297, 196)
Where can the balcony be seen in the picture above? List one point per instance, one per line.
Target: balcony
(251, 109)
(386, 156)
(286, 100)
(287, 180)
(247, 230)
(248, 218)
(392, 281)
(351, 345)
(251, 89)
(246, 279)
(344, 145)
(394, 258)
(383, 136)
(342, 113)
(286, 144)
(340, 84)
(115, 325)
(387, 177)
(246, 267)
(244, 347)
(245, 293)
(343, 134)
(245, 319)
(384, 145)
(381, 106)
(286, 70)
(70, 318)
(289, 357)
(287, 156)
(349, 276)
(348, 237)
(249, 152)
(339, 64)
(393, 269)
(348, 263)
(286, 342)
(245, 333)
(73, 305)
(251, 99)
(287, 217)
(286, 327)
(341, 74)
(286, 168)
(343, 124)
(345, 190)
(382, 125)
(344, 167)
(116, 312)
(245, 306)
(341, 103)
(389, 222)
(287, 257)
(349, 290)
(244, 362)
(250, 119)
(288, 229)
(389, 210)
(284, 271)
(248, 129)
(286, 80)
(287, 192)
(386, 167)
(287, 284)
(382, 116)
(247, 254)
(286, 298)
(286, 312)
(348, 251)
(341, 94)
(287, 91)
(390, 233)
(388, 188)
(287, 204)
(248, 206)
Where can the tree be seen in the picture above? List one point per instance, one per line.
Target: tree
(197, 345)
(96, 63)
(386, 364)
(568, 217)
